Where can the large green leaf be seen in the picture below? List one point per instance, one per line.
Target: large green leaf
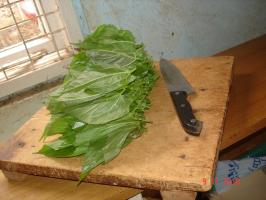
(58, 124)
(70, 151)
(101, 111)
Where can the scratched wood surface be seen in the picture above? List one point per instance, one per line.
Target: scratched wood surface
(164, 158)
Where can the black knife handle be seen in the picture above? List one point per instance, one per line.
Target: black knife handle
(185, 113)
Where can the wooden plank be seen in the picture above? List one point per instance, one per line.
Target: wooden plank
(247, 108)
(243, 146)
(164, 158)
(43, 188)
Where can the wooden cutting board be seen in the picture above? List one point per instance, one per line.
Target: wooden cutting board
(164, 158)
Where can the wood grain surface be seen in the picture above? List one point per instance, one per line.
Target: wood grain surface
(164, 158)
(43, 188)
(247, 106)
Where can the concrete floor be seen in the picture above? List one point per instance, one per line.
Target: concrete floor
(14, 115)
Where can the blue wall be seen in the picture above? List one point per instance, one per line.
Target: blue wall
(182, 28)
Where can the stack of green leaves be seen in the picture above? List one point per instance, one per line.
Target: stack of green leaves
(100, 106)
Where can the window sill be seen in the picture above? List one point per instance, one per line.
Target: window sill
(21, 48)
(41, 73)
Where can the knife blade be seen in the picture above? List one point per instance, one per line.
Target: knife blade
(179, 88)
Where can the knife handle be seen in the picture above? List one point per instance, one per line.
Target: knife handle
(185, 113)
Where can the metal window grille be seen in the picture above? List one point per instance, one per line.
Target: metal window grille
(48, 30)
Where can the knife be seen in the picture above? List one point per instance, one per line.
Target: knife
(179, 88)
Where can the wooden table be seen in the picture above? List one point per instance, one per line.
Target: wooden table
(165, 158)
(43, 188)
(247, 105)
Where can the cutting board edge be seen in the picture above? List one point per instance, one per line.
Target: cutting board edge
(103, 179)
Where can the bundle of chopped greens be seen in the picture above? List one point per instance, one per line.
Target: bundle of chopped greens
(100, 106)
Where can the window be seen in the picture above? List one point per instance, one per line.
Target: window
(35, 41)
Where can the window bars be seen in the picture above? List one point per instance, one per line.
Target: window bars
(42, 36)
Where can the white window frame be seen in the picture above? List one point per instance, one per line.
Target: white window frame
(51, 71)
